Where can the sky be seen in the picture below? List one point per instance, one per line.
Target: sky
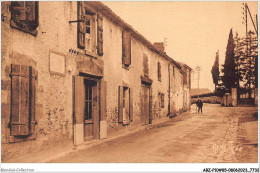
(195, 31)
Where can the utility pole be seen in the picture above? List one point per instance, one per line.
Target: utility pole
(248, 42)
(198, 69)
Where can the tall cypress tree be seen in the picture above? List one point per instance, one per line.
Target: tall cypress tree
(215, 70)
(229, 70)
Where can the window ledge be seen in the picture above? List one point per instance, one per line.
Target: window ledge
(94, 55)
(32, 32)
(125, 67)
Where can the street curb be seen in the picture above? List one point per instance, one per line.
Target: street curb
(98, 142)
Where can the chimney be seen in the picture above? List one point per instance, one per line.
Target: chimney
(159, 45)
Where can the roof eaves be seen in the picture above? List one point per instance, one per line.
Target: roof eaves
(105, 8)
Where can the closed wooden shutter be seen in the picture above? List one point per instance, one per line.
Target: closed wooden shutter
(126, 48)
(79, 104)
(32, 100)
(103, 100)
(131, 105)
(162, 102)
(120, 104)
(100, 35)
(145, 65)
(173, 71)
(81, 25)
(159, 100)
(159, 71)
(189, 80)
(20, 100)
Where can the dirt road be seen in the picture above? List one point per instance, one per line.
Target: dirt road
(219, 135)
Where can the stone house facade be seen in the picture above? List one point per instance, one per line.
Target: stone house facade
(74, 71)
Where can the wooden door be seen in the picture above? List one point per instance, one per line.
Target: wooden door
(145, 104)
(91, 110)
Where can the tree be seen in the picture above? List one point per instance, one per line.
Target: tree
(229, 68)
(215, 70)
(239, 55)
(249, 62)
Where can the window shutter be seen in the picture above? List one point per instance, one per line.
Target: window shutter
(81, 25)
(103, 100)
(159, 100)
(32, 100)
(145, 65)
(159, 71)
(162, 104)
(120, 104)
(79, 100)
(24, 15)
(19, 100)
(126, 48)
(131, 104)
(100, 35)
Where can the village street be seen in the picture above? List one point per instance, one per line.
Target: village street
(220, 134)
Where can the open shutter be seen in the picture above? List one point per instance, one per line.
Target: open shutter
(103, 110)
(120, 104)
(126, 48)
(103, 100)
(19, 100)
(162, 95)
(79, 109)
(79, 99)
(99, 35)
(131, 104)
(81, 25)
(32, 100)
(145, 65)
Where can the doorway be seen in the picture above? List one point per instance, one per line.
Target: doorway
(86, 109)
(145, 98)
(90, 110)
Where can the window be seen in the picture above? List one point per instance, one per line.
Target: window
(161, 100)
(125, 105)
(24, 16)
(173, 71)
(87, 31)
(145, 65)
(89, 99)
(126, 48)
(185, 82)
(159, 72)
(22, 120)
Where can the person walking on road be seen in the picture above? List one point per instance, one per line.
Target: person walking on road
(199, 104)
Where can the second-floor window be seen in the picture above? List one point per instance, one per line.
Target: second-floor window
(159, 72)
(126, 48)
(90, 35)
(24, 16)
(145, 65)
(185, 82)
